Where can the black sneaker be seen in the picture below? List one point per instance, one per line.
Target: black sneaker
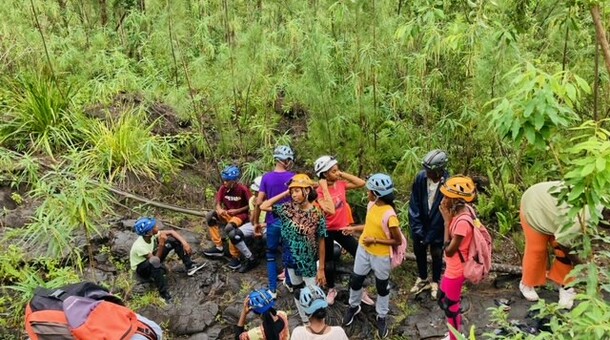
(167, 297)
(248, 265)
(382, 327)
(350, 314)
(214, 252)
(234, 263)
(193, 268)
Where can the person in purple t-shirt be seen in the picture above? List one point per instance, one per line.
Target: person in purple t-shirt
(273, 183)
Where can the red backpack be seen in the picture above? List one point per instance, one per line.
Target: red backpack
(81, 311)
(478, 263)
(397, 253)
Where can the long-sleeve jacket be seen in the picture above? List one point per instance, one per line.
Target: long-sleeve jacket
(427, 225)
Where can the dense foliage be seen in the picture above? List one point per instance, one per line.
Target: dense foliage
(514, 90)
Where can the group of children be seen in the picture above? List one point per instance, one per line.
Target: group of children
(307, 218)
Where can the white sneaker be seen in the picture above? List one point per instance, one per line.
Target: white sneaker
(330, 297)
(566, 297)
(419, 286)
(529, 293)
(434, 290)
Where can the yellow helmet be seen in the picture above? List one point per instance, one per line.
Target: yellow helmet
(300, 181)
(459, 187)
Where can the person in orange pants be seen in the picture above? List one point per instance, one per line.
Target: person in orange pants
(542, 220)
(231, 211)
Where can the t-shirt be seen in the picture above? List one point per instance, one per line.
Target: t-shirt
(432, 190)
(263, 214)
(272, 184)
(373, 228)
(301, 232)
(340, 219)
(258, 333)
(544, 214)
(140, 250)
(234, 198)
(302, 333)
(454, 267)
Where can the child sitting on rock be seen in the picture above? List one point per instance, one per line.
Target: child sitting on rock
(152, 247)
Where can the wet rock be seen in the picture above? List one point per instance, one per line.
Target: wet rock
(121, 242)
(199, 336)
(193, 318)
(232, 313)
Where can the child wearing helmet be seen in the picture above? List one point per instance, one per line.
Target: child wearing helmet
(275, 323)
(303, 231)
(314, 303)
(231, 211)
(426, 221)
(374, 250)
(458, 192)
(272, 184)
(152, 247)
(332, 197)
(239, 235)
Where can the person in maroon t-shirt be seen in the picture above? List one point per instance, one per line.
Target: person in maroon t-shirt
(231, 210)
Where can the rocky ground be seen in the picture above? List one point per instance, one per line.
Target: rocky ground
(207, 305)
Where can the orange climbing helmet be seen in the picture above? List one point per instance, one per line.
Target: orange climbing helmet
(300, 181)
(459, 187)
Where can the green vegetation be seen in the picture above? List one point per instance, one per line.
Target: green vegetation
(96, 93)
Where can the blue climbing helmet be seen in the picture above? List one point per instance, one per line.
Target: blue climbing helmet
(261, 301)
(144, 225)
(380, 185)
(312, 298)
(230, 173)
(283, 153)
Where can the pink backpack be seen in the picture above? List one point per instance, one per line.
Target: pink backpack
(478, 263)
(397, 253)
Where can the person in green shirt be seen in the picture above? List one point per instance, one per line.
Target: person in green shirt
(544, 222)
(152, 247)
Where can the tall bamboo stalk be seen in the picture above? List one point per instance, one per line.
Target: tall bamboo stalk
(46, 50)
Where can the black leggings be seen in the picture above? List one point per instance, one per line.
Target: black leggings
(421, 252)
(348, 243)
(147, 271)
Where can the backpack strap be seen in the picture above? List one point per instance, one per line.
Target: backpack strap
(146, 331)
(57, 294)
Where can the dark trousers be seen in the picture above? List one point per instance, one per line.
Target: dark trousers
(421, 252)
(147, 270)
(348, 243)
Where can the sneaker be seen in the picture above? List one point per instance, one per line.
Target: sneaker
(566, 297)
(330, 297)
(348, 318)
(288, 286)
(166, 297)
(529, 293)
(193, 268)
(273, 294)
(214, 252)
(434, 290)
(281, 276)
(382, 327)
(248, 265)
(366, 299)
(234, 263)
(419, 286)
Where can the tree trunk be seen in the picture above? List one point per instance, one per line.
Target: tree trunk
(104, 12)
(601, 35)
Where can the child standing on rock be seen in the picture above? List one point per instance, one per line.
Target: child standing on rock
(374, 251)
(303, 230)
(458, 192)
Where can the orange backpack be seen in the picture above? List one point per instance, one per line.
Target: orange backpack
(81, 311)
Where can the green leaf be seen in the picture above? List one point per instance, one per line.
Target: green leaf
(600, 164)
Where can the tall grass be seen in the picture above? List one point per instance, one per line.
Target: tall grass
(39, 116)
(123, 145)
